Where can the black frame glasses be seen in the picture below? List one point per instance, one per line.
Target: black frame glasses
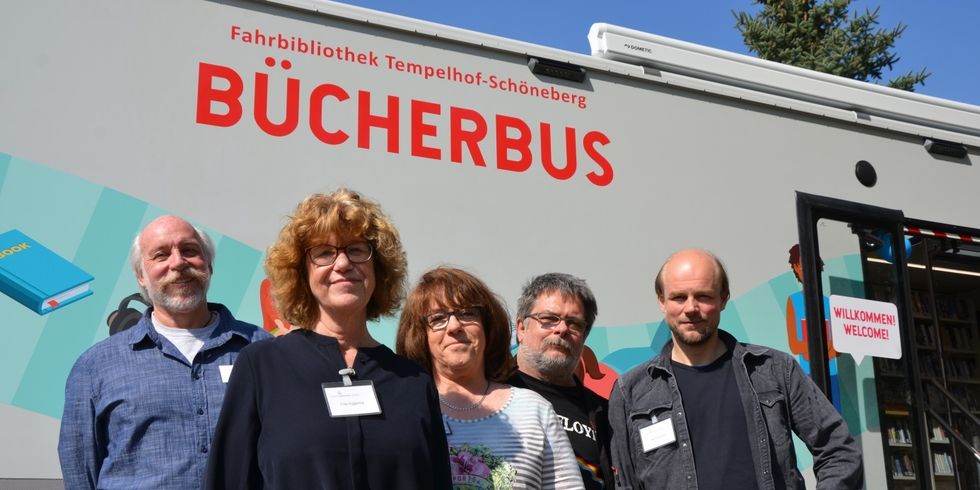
(439, 320)
(549, 321)
(324, 255)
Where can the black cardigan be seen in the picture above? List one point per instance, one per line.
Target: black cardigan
(275, 432)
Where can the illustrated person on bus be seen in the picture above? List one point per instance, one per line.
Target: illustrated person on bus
(796, 330)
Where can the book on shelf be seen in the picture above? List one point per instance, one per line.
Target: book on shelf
(925, 335)
(899, 433)
(896, 408)
(929, 365)
(961, 368)
(947, 307)
(920, 304)
(952, 308)
(903, 465)
(960, 338)
(943, 463)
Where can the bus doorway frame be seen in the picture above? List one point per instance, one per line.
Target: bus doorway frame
(810, 209)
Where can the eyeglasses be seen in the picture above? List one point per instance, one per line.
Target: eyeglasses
(549, 321)
(439, 320)
(357, 252)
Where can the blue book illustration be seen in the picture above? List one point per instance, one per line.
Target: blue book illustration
(37, 277)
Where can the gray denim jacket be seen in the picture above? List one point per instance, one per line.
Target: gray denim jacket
(778, 398)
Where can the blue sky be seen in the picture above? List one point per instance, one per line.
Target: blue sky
(940, 35)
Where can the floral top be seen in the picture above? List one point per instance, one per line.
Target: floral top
(521, 445)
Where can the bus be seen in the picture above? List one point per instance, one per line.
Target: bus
(510, 160)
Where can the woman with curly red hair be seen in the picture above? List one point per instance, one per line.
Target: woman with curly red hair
(327, 405)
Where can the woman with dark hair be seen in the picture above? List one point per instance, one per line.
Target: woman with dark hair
(499, 436)
(327, 405)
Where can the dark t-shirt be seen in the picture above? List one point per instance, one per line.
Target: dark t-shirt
(577, 408)
(716, 421)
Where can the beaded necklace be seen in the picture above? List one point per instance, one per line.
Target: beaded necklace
(471, 407)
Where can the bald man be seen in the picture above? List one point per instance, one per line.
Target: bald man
(710, 412)
(141, 405)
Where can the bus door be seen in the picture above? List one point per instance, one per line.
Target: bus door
(835, 238)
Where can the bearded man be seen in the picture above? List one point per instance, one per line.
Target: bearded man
(554, 316)
(141, 405)
(710, 412)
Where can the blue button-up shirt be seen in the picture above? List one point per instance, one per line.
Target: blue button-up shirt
(139, 415)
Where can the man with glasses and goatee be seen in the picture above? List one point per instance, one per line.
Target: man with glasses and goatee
(554, 316)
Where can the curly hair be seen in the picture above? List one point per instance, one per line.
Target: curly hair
(453, 288)
(318, 217)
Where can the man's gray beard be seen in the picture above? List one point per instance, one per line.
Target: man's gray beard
(548, 365)
(179, 303)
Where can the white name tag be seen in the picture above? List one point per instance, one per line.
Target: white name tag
(356, 399)
(657, 435)
(225, 371)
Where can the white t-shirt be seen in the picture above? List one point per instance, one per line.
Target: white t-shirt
(187, 340)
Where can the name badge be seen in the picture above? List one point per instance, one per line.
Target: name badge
(657, 434)
(225, 371)
(355, 399)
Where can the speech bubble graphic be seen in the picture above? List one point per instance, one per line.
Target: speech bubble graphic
(862, 327)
